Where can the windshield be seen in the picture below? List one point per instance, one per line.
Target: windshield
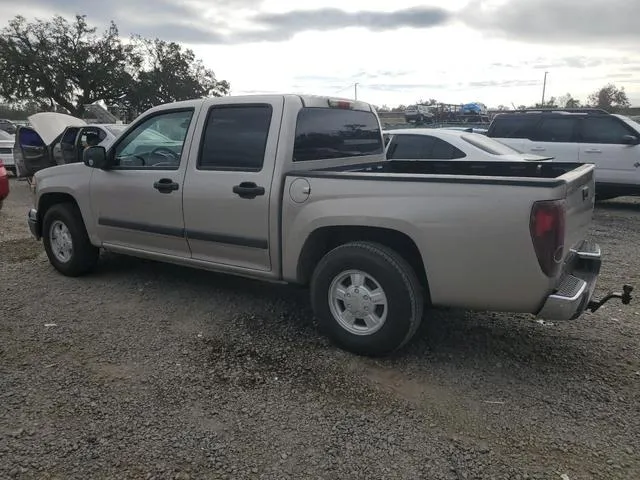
(489, 145)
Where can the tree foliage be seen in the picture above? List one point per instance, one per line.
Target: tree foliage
(69, 64)
(610, 98)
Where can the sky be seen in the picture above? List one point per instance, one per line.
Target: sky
(398, 52)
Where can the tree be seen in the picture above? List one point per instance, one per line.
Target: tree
(67, 64)
(610, 98)
(62, 63)
(399, 109)
(567, 101)
(167, 73)
(551, 103)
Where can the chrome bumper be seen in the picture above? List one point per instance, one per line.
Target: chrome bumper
(33, 222)
(571, 297)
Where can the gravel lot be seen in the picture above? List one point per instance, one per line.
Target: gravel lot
(146, 370)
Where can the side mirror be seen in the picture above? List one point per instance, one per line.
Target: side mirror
(95, 157)
(630, 140)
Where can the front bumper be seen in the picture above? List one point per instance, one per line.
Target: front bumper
(34, 223)
(571, 297)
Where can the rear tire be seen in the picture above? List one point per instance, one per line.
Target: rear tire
(367, 298)
(66, 241)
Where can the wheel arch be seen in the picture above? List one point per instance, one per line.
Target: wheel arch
(324, 239)
(48, 200)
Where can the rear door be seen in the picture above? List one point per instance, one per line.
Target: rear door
(602, 143)
(555, 137)
(228, 185)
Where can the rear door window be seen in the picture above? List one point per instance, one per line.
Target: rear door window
(235, 138)
(608, 130)
(556, 130)
(325, 133)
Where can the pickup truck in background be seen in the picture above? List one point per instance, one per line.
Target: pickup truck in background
(297, 189)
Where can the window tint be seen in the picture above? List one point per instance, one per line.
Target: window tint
(513, 127)
(444, 150)
(555, 130)
(235, 137)
(92, 136)
(69, 136)
(324, 133)
(410, 147)
(422, 147)
(145, 147)
(603, 130)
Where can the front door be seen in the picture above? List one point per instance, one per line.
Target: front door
(228, 190)
(138, 202)
(68, 145)
(602, 143)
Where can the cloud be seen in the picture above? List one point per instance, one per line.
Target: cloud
(548, 21)
(199, 22)
(281, 26)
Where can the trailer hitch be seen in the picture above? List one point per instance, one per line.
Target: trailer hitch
(625, 297)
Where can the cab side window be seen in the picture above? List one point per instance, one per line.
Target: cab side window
(156, 143)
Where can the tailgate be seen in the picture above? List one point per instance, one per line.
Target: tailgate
(580, 198)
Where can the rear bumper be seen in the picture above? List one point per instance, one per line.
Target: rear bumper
(33, 222)
(571, 297)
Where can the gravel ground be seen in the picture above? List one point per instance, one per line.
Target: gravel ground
(146, 370)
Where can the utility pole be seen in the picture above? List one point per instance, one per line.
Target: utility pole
(355, 90)
(544, 87)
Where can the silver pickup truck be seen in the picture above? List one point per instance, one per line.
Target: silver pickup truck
(297, 189)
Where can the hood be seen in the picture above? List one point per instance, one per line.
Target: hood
(49, 125)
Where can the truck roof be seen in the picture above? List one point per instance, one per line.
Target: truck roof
(307, 101)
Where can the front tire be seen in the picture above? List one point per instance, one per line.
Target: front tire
(66, 241)
(367, 298)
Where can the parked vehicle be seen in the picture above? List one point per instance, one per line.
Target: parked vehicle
(75, 139)
(6, 151)
(7, 126)
(450, 144)
(55, 139)
(418, 114)
(611, 142)
(4, 184)
(297, 189)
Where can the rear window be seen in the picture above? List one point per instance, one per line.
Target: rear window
(324, 133)
(488, 145)
(507, 126)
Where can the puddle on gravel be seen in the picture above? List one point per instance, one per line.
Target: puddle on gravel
(20, 250)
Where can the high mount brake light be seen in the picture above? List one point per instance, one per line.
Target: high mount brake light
(341, 104)
(547, 228)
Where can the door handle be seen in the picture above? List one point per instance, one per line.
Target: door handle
(248, 190)
(538, 149)
(166, 185)
(592, 150)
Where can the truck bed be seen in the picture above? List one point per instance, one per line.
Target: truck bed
(546, 174)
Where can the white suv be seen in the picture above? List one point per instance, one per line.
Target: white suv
(611, 142)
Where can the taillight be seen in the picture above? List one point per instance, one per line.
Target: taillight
(547, 227)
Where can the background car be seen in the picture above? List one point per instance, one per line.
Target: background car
(7, 126)
(449, 144)
(76, 138)
(6, 150)
(610, 141)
